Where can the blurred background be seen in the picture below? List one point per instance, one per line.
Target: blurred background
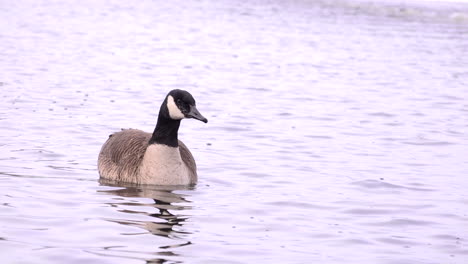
(337, 130)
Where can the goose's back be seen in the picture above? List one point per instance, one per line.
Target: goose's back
(122, 154)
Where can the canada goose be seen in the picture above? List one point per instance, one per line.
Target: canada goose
(135, 156)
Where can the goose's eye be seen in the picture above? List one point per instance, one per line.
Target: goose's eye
(183, 106)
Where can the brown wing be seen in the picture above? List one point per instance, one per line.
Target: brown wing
(189, 161)
(121, 155)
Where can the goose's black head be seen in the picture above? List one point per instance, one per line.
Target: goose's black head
(180, 104)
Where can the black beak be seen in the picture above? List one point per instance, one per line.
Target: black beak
(193, 113)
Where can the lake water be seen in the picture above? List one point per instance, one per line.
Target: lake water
(337, 131)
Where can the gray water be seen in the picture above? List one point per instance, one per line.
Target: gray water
(337, 131)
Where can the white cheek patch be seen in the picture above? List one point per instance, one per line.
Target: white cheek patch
(174, 111)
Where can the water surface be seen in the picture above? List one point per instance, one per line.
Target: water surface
(337, 133)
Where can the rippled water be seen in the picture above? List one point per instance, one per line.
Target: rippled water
(337, 133)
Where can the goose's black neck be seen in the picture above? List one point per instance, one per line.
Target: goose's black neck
(166, 129)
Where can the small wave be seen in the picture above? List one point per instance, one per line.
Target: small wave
(381, 114)
(405, 222)
(319, 136)
(398, 241)
(375, 184)
(428, 143)
(436, 11)
(366, 211)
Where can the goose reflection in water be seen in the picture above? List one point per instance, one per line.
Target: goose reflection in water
(166, 201)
